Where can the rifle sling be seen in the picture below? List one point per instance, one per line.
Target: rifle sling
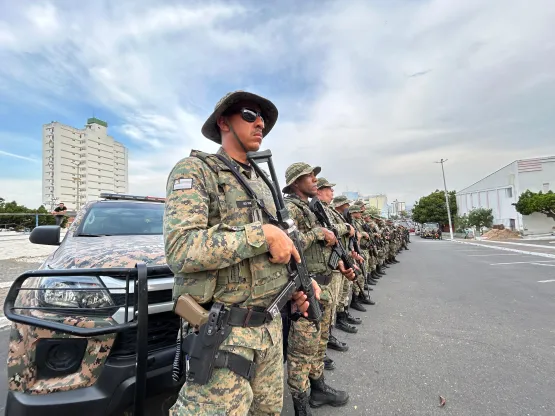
(250, 192)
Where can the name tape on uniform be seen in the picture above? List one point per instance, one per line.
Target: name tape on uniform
(183, 183)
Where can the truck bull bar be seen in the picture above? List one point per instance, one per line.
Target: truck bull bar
(135, 277)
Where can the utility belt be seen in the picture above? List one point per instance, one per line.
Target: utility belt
(322, 280)
(200, 350)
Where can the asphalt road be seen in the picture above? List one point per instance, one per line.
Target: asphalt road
(472, 324)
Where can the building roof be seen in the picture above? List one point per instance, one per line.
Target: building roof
(524, 165)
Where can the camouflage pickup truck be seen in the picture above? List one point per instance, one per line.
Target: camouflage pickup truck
(53, 372)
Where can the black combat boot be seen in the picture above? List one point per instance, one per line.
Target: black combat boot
(394, 260)
(329, 364)
(375, 275)
(365, 299)
(356, 305)
(342, 324)
(321, 394)
(380, 270)
(369, 278)
(300, 403)
(352, 319)
(335, 344)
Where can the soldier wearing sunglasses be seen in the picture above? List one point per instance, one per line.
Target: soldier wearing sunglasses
(222, 250)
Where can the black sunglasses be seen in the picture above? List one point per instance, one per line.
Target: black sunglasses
(250, 115)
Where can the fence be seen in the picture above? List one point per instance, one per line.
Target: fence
(8, 223)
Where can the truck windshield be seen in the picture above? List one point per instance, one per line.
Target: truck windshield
(122, 218)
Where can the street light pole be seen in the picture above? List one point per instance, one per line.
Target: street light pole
(446, 198)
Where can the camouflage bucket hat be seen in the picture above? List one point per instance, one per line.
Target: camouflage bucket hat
(353, 209)
(323, 183)
(210, 128)
(340, 200)
(359, 202)
(295, 171)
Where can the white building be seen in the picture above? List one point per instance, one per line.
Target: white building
(79, 164)
(397, 207)
(501, 189)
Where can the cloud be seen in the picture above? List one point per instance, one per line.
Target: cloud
(372, 92)
(8, 154)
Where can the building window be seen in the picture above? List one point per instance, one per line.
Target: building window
(509, 192)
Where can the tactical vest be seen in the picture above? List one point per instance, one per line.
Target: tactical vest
(316, 255)
(254, 281)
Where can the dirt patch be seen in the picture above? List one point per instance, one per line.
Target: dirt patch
(505, 234)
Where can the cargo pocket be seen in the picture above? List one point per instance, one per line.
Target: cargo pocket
(190, 408)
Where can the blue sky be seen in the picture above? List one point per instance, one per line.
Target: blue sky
(372, 91)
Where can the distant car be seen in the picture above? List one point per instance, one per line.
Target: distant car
(51, 372)
(430, 230)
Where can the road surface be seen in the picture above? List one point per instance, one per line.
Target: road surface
(471, 323)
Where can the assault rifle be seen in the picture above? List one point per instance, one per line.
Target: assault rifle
(299, 278)
(338, 252)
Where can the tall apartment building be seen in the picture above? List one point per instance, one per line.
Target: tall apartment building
(79, 164)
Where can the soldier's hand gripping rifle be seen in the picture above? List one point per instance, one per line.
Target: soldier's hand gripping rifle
(299, 278)
(353, 241)
(338, 251)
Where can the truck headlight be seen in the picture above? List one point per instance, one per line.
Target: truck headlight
(83, 295)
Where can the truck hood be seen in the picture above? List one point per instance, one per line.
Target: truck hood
(108, 252)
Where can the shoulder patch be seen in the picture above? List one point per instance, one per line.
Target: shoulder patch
(182, 183)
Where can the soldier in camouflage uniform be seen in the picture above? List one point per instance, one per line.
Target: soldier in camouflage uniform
(359, 297)
(325, 195)
(221, 248)
(307, 343)
(344, 320)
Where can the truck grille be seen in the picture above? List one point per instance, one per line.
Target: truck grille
(162, 333)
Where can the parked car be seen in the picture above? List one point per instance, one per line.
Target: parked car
(51, 372)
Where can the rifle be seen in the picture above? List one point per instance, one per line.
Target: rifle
(353, 243)
(299, 278)
(338, 251)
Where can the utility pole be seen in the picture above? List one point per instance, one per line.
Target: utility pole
(446, 198)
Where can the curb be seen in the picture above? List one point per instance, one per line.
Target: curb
(531, 253)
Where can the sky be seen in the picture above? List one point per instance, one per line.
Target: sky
(374, 92)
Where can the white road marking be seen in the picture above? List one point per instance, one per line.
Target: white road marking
(533, 253)
(546, 281)
(522, 244)
(492, 254)
(522, 262)
(547, 265)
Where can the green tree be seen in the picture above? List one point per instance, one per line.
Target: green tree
(375, 211)
(461, 223)
(20, 222)
(404, 214)
(530, 202)
(431, 208)
(480, 218)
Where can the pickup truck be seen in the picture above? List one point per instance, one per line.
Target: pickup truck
(52, 372)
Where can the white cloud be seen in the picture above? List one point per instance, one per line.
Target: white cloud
(392, 87)
(13, 155)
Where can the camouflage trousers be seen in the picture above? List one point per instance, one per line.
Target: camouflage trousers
(336, 290)
(392, 249)
(304, 340)
(344, 294)
(361, 279)
(307, 345)
(228, 394)
(329, 306)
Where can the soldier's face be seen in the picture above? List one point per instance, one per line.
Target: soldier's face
(325, 194)
(249, 132)
(308, 185)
